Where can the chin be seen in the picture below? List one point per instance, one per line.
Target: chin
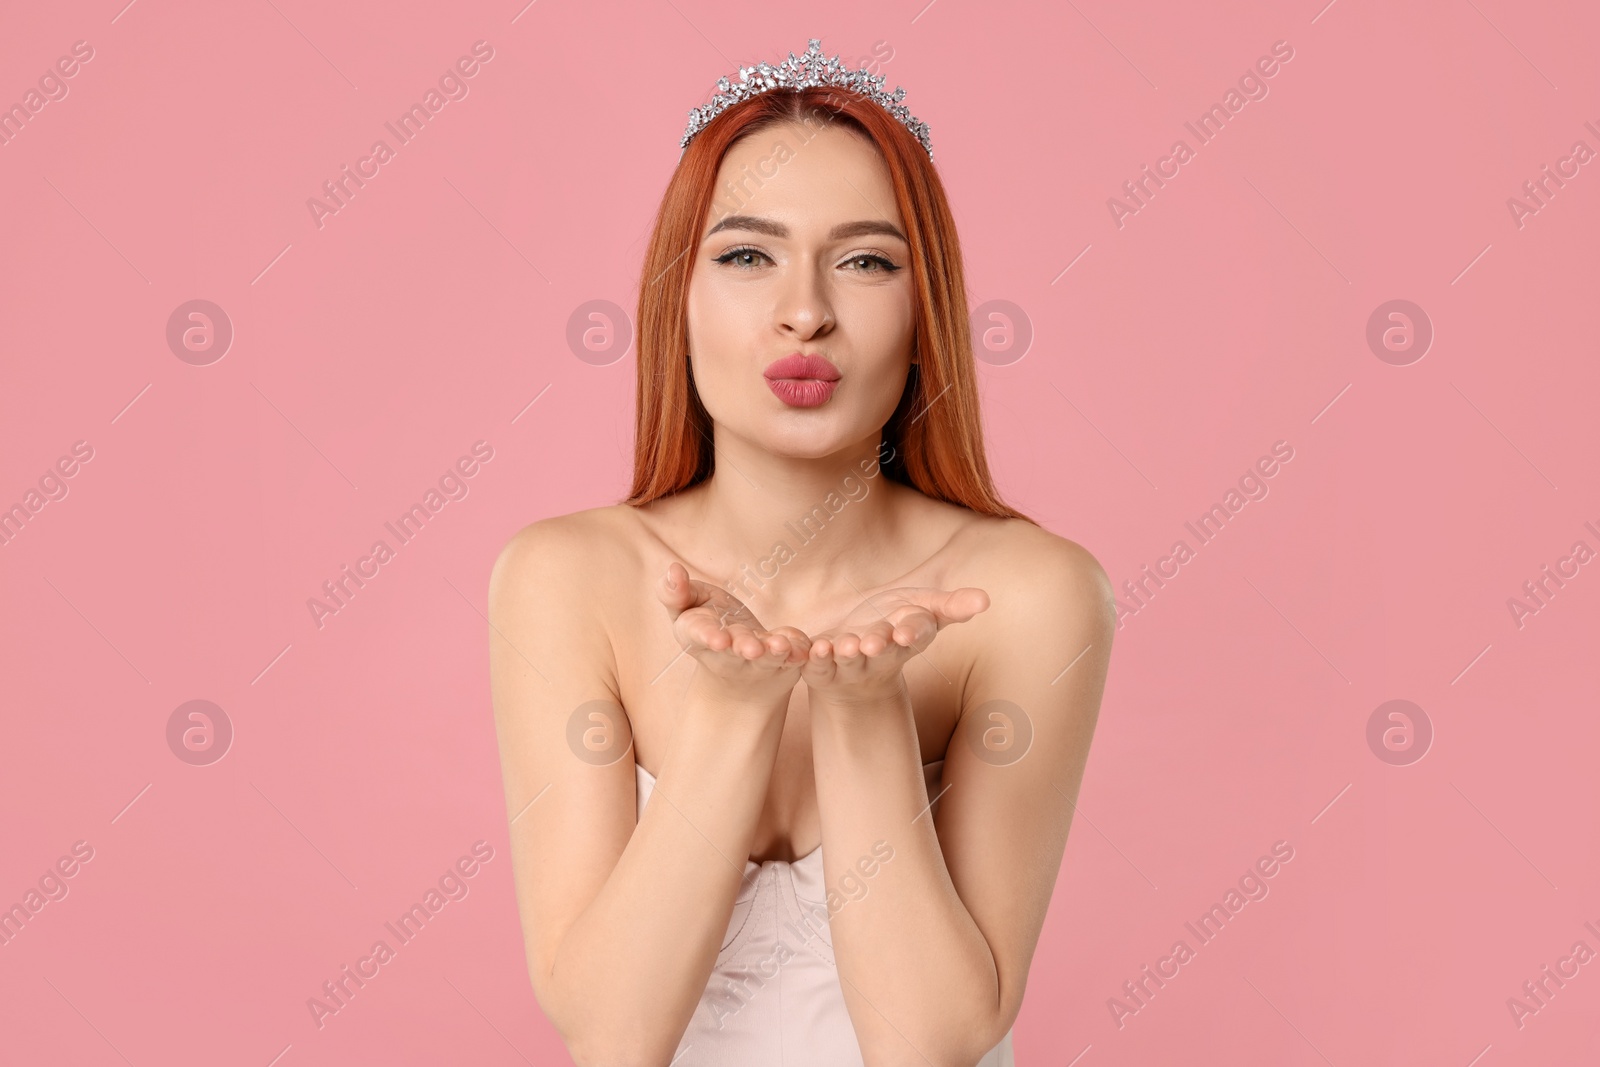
(815, 440)
(815, 447)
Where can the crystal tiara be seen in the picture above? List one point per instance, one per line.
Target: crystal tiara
(808, 71)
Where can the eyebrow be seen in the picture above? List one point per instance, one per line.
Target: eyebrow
(844, 230)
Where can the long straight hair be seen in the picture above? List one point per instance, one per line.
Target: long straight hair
(935, 433)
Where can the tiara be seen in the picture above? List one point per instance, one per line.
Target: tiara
(808, 71)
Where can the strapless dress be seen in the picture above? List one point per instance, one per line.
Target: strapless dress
(774, 995)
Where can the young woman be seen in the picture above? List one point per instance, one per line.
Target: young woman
(811, 618)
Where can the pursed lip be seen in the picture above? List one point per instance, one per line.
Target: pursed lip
(802, 366)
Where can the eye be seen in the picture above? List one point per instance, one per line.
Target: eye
(874, 264)
(739, 255)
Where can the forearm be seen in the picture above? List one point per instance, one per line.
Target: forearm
(918, 977)
(631, 969)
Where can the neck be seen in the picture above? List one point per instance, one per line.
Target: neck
(789, 531)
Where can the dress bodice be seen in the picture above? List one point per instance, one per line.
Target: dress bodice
(774, 994)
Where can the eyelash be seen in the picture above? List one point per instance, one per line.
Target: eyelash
(733, 253)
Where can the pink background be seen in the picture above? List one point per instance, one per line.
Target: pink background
(1229, 313)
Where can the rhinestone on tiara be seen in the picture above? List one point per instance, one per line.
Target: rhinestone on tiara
(808, 71)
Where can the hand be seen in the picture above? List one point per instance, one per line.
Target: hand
(741, 658)
(861, 658)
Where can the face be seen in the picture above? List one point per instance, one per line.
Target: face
(807, 259)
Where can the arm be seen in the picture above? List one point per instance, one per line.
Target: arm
(934, 957)
(621, 922)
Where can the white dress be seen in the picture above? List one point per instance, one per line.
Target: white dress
(774, 995)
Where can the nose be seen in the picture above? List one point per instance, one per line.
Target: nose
(804, 308)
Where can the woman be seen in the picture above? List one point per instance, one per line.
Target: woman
(749, 640)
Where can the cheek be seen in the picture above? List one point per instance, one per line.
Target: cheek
(719, 315)
(882, 319)
(884, 330)
(722, 332)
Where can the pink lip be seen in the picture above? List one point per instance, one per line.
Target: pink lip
(799, 366)
(802, 381)
(802, 392)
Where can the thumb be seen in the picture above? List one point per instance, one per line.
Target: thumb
(963, 604)
(675, 590)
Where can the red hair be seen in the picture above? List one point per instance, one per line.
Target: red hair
(935, 432)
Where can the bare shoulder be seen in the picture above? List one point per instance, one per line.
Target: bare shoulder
(567, 573)
(1017, 550)
(1031, 571)
(567, 550)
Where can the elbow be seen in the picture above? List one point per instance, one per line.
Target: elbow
(985, 1016)
(594, 1044)
(603, 1053)
(970, 1048)
(603, 1049)
(594, 1040)
(949, 1046)
(968, 1022)
(961, 1039)
(603, 1025)
(985, 1034)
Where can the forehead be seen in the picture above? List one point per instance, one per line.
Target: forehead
(815, 175)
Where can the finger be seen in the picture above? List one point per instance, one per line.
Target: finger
(877, 639)
(909, 623)
(799, 644)
(676, 590)
(818, 669)
(919, 629)
(754, 646)
(961, 604)
(701, 628)
(708, 635)
(667, 593)
(740, 644)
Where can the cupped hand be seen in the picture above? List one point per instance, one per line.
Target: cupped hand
(741, 656)
(862, 657)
